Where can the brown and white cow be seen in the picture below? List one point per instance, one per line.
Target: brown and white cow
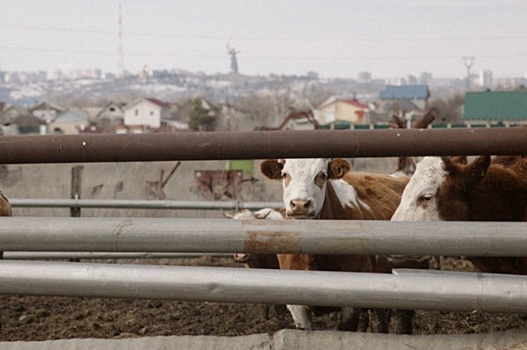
(259, 261)
(256, 261)
(326, 189)
(441, 189)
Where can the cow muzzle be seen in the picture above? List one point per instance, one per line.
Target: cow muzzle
(301, 208)
(241, 258)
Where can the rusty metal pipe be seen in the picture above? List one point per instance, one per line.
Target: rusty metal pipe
(260, 145)
(263, 236)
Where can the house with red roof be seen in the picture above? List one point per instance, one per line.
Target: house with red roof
(336, 109)
(144, 114)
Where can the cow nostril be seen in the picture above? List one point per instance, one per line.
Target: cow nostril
(300, 205)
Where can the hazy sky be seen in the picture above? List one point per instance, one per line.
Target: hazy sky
(336, 38)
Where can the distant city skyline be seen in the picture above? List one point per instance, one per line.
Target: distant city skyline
(332, 38)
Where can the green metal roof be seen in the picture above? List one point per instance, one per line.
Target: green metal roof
(337, 124)
(496, 105)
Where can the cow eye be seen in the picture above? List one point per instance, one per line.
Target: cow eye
(424, 198)
(321, 179)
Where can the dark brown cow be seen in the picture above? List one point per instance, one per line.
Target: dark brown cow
(483, 190)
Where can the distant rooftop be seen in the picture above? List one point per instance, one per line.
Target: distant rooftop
(496, 105)
(405, 92)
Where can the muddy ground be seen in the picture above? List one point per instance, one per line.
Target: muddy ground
(44, 318)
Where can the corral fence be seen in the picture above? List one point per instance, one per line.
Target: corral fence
(405, 289)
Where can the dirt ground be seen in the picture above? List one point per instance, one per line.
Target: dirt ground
(27, 318)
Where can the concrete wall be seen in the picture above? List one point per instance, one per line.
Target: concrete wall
(136, 180)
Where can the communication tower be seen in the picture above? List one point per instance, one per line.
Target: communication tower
(120, 53)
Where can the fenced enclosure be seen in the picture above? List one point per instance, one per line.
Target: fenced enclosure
(444, 291)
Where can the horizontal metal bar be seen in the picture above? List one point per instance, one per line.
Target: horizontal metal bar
(260, 145)
(450, 292)
(139, 204)
(262, 236)
(102, 255)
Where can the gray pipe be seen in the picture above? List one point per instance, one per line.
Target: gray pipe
(262, 236)
(139, 204)
(446, 291)
(99, 255)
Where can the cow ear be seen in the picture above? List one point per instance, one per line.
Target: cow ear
(338, 167)
(272, 169)
(479, 168)
(448, 164)
(416, 159)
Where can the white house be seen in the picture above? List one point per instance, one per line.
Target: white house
(145, 113)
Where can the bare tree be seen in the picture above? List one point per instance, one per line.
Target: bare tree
(451, 107)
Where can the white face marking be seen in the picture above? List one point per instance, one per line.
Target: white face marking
(347, 195)
(301, 185)
(418, 202)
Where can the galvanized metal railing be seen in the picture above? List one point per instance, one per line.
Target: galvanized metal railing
(448, 291)
(262, 236)
(139, 204)
(445, 291)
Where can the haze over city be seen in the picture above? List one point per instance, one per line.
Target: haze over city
(333, 38)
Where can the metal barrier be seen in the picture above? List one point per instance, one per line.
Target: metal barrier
(445, 291)
(139, 204)
(268, 144)
(458, 291)
(405, 290)
(262, 236)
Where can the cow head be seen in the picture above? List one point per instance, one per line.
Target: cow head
(304, 182)
(418, 200)
(438, 189)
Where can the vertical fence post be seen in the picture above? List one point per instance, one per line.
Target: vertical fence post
(76, 177)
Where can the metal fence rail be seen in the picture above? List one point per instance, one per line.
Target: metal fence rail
(138, 204)
(270, 144)
(262, 236)
(444, 291)
(21, 255)
(405, 290)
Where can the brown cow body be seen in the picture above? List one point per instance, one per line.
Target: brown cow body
(5, 210)
(5, 207)
(493, 192)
